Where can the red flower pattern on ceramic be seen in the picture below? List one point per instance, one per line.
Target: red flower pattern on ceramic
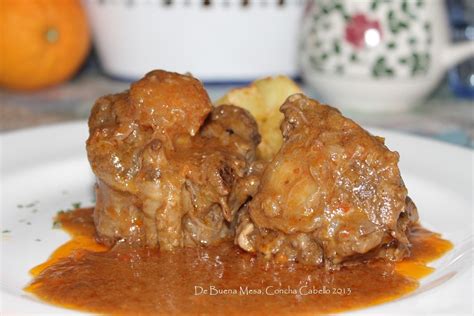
(356, 28)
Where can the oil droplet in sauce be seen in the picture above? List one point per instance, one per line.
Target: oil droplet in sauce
(223, 279)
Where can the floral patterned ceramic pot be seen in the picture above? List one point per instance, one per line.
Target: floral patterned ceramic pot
(377, 55)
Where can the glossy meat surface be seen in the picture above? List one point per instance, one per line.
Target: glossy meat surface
(332, 195)
(172, 171)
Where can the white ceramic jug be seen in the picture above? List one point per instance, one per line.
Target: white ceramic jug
(377, 55)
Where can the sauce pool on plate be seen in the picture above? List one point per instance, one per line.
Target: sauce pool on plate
(85, 275)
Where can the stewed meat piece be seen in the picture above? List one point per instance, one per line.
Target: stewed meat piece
(332, 195)
(172, 171)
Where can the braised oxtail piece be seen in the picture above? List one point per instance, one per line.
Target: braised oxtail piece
(172, 171)
(332, 195)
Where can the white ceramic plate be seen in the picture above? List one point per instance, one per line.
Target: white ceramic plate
(46, 170)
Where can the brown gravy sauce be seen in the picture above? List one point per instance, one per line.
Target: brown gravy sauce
(87, 276)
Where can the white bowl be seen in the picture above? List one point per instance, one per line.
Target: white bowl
(218, 41)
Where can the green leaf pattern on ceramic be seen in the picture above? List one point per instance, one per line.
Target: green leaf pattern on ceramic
(328, 51)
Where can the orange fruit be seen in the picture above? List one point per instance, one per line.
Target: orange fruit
(42, 42)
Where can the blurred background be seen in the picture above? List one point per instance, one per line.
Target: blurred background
(402, 64)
